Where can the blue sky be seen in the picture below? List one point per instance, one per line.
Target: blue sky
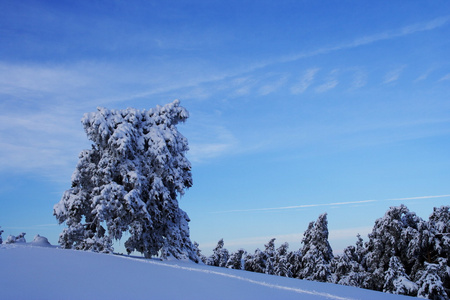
(297, 107)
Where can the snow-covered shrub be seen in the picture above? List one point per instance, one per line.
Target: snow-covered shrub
(129, 182)
(40, 241)
(16, 239)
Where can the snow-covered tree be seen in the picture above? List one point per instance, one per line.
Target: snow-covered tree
(391, 236)
(437, 250)
(360, 250)
(236, 260)
(347, 270)
(430, 284)
(255, 262)
(294, 263)
(281, 263)
(396, 281)
(199, 254)
(316, 252)
(219, 257)
(270, 257)
(440, 222)
(1, 240)
(129, 182)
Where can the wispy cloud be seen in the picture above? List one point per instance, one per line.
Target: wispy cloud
(47, 139)
(213, 141)
(393, 75)
(306, 80)
(40, 131)
(273, 86)
(424, 75)
(359, 79)
(370, 39)
(309, 75)
(39, 78)
(282, 208)
(330, 83)
(445, 77)
(242, 85)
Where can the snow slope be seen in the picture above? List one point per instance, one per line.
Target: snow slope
(29, 271)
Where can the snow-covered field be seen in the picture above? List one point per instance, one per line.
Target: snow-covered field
(37, 271)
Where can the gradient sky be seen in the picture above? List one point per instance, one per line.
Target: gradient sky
(296, 107)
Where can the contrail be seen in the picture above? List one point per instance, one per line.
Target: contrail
(330, 204)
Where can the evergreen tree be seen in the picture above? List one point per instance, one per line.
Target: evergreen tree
(236, 260)
(444, 273)
(396, 281)
(316, 252)
(294, 263)
(440, 222)
(270, 257)
(1, 240)
(346, 269)
(391, 236)
(430, 284)
(256, 262)
(199, 254)
(360, 249)
(280, 261)
(129, 181)
(219, 257)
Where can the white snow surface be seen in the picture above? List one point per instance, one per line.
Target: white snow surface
(34, 272)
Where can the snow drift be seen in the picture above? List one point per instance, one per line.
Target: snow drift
(34, 272)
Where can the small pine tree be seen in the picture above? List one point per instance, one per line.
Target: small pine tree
(270, 257)
(199, 253)
(281, 263)
(256, 262)
(236, 260)
(1, 240)
(219, 257)
(294, 263)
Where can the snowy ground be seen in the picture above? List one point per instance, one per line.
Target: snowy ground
(29, 271)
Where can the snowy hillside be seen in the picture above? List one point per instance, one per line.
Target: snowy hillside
(32, 271)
